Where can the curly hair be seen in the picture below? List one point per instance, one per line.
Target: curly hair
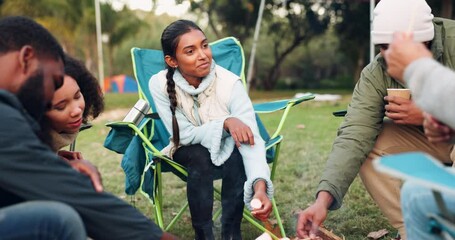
(90, 88)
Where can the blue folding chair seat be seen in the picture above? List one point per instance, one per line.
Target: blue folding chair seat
(424, 170)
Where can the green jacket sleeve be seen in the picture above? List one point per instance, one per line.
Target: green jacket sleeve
(357, 134)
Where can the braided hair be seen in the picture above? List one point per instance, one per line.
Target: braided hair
(169, 41)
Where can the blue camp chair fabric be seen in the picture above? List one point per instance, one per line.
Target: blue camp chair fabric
(418, 167)
(423, 169)
(153, 136)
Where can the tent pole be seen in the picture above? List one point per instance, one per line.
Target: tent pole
(253, 48)
(99, 45)
(372, 2)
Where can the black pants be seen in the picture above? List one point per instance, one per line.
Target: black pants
(201, 173)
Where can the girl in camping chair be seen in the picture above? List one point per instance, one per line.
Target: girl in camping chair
(213, 127)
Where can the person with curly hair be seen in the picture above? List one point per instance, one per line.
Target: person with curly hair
(78, 101)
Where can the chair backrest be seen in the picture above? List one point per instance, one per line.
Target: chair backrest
(227, 52)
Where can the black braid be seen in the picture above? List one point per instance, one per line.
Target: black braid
(169, 42)
(173, 105)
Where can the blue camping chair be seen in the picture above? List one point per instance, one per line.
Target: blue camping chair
(150, 136)
(423, 169)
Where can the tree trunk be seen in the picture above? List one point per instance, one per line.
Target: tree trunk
(272, 77)
(446, 9)
(274, 72)
(212, 25)
(360, 64)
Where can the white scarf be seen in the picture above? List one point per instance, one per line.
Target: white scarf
(211, 102)
(60, 140)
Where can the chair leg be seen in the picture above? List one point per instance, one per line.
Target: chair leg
(278, 218)
(249, 218)
(177, 217)
(158, 197)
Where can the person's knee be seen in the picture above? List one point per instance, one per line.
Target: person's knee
(44, 219)
(200, 156)
(415, 198)
(200, 163)
(66, 212)
(63, 215)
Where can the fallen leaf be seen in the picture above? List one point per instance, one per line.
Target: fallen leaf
(378, 234)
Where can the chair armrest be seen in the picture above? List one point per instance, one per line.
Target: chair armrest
(145, 120)
(85, 126)
(286, 105)
(273, 141)
(137, 130)
(273, 106)
(340, 113)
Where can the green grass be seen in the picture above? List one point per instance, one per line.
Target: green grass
(115, 101)
(308, 135)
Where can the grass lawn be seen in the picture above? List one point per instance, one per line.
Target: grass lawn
(308, 135)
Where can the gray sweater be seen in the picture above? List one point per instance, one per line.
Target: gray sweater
(433, 88)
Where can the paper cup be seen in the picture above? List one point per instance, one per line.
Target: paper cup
(399, 92)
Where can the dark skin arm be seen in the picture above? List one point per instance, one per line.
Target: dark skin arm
(83, 166)
(168, 236)
(239, 131)
(435, 130)
(403, 111)
(260, 192)
(311, 218)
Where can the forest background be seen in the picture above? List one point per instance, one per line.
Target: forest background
(303, 43)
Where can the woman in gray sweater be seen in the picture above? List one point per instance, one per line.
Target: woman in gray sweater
(432, 86)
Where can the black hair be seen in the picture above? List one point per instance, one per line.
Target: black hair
(90, 88)
(18, 31)
(169, 41)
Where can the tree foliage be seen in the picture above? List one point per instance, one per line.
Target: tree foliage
(303, 43)
(228, 17)
(294, 24)
(288, 26)
(352, 26)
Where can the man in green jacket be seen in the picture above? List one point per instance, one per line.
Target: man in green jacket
(365, 132)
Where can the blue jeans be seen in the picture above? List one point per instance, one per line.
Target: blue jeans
(40, 220)
(417, 202)
(201, 173)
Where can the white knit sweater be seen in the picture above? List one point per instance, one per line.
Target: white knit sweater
(220, 95)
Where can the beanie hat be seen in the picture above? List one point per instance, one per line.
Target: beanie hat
(398, 16)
